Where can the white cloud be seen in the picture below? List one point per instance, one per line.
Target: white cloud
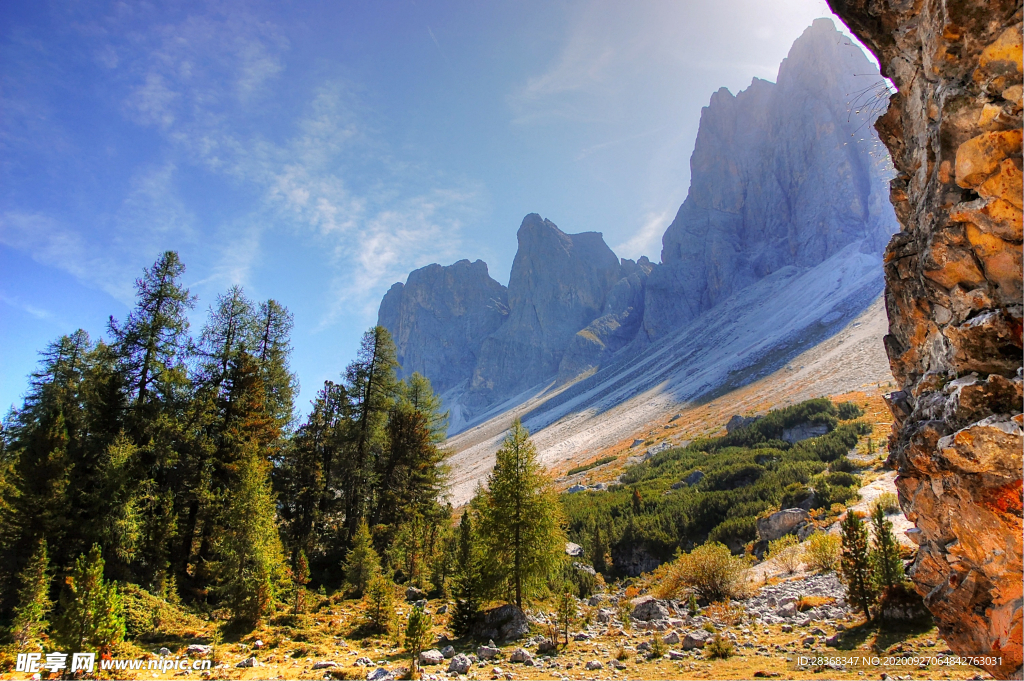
(646, 240)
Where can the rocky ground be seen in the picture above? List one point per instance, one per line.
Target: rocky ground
(783, 619)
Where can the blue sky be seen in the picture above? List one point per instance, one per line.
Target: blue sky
(315, 152)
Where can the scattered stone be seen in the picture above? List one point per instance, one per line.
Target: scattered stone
(695, 639)
(594, 665)
(460, 664)
(364, 662)
(248, 662)
(163, 652)
(647, 608)
(414, 594)
(448, 652)
(487, 652)
(546, 646)
(327, 664)
(196, 649)
(431, 657)
(380, 674)
(671, 639)
(258, 644)
(676, 655)
(520, 655)
(443, 609)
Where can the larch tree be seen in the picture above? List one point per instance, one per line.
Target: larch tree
(520, 520)
(34, 604)
(90, 608)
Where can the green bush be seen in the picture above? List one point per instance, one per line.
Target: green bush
(719, 647)
(847, 411)
(822, 552)
(710, 571)
(785, 552)
(888, 502)
(745, 473)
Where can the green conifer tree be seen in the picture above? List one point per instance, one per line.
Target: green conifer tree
(90, 609)
(885, 555)
(363, 562)
(467, 579)
(34, 604)
(417, 635)
(598, 550)
(380, 602)
(856, 563)
(520, 521)
(300, 575)
(251, 566)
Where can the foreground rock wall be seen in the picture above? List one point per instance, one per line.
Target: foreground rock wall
(953, 294)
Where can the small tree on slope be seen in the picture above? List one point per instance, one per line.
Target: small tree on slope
(856, 563)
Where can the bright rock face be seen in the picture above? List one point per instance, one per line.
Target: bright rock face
(953, 293)
(439, 318)
(785, 173)
(558, 285)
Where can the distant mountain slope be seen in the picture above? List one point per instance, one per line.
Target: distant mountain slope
(824, 314)
(776, 247)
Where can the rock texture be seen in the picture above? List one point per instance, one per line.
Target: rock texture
(782, 174)
(953, 294)
(440, 317)
(559, 284)
(618, 324)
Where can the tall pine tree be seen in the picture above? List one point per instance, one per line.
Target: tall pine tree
(520, 520)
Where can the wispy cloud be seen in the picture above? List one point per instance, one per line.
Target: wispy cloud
(313, 164)
(18, 303)
(646, 240)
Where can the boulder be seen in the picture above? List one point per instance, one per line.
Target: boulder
(363, 662)
(520, 655)
(546, 646)
(504, 623)
(460, 664)
(196, 649)
(248, 662)
(647, 608)
(672, 638)
(594, 665)
(448, 652)
(574, 550)
(414, 594)
(380, 674)
(781, 523)
(803, 431)
(694, 478)
(695, 639)
(327, 664)
(487, 652)
(431, 657)
(737, 422)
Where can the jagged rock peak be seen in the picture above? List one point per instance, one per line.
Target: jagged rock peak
(559, 283)
(439, 318)
(782, 174)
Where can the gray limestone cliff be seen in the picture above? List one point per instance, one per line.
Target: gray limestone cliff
(785, 173)
(440, 317)
(559, 284)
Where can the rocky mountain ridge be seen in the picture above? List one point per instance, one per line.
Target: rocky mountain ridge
(763, 201)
